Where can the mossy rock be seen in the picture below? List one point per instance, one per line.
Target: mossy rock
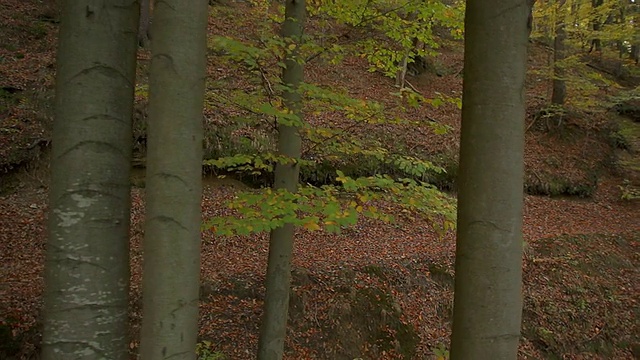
(441, 275)
(370, 316)
(626, 138)
(375, 271)
(629, 131)
(629, 109)
(553, 185)
(9, 345)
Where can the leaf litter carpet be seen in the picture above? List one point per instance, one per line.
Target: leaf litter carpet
(371, 254)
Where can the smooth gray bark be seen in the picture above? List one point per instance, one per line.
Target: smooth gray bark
(87, 257)
(278, 279)
(146, 7)
(488, 302)
(171, 269)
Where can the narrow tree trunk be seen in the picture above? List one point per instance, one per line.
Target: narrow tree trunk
(635, 53)
(174, 181)
(559, 89)
(278, 279)
(596, 44)
(87, 259)
(402, 72)
(634, 12)
(530, 5)
(575, 13)
(145, 22)
(488, 283)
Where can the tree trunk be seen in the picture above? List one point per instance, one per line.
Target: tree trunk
(146, 8)
(596, 44)
(278, 279)
(87, 259)
(635, 53)
(174, 181)
(634, 12)
(530, 5)
(559, 90)
(488, 283)
(402, 72)
(575, 13)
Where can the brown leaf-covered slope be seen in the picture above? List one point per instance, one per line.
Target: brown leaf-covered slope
(27, 37)
(405, 260)
(378, 291)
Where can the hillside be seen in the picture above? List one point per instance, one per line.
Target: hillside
(376, 291)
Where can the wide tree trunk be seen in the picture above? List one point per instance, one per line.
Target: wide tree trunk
(87, 257)
(174, 180)
(278, 279)
(488, 281)
(559, 86)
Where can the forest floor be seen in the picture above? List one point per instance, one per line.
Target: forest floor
(378, 290)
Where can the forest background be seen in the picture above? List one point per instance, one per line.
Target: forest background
(582, 146)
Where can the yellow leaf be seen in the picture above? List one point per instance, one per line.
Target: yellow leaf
(312, 226)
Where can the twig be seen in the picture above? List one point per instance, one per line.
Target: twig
(538, 177)
(265, 81)
(412, 87)
(601, 69)
(530, 125)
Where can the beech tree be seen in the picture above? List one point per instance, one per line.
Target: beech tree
(330, 207)
(559, 87)
(174, 180)
(575, 28)
(596, 43)
(488, 282)
(278, 280)
(146, 9)
(87, 257)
